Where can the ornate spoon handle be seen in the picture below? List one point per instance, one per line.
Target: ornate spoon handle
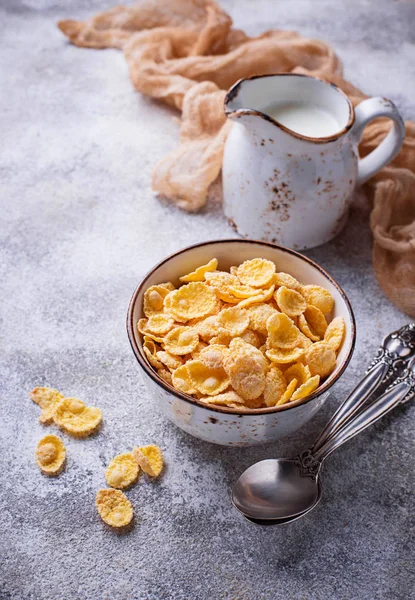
(402, 390)
(396, 347)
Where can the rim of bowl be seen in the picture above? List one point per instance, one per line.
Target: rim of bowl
(224, 409)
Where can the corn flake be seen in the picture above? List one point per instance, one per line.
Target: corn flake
(288, 393)
(168, 285)
(114, 508)
(166, 375)
(77, 419)
(150, 350)
(154, 299)
(170, 360)
(287, 280)
(160, 324)
(306, 388)
(50, 455)
(212, 356)
(181, 340)
(150, 459)
(181, 380)
(122, 471)
(290, 302)
(298, 371)
(258, 317)
(275, 386)
(230, 399)
(252, 337)
(234, 320)
(321, 359)
(143, 329)
(191, 301)
(334, 333)
(199, 273)
(257, 272)
(319, 297)
(284, 356)
(246, 373)
(207, 380)
(48, 399)
(282, 333)
(196, 352)
(262, 297)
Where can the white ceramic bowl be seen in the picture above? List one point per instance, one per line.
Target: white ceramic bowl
(222, 425)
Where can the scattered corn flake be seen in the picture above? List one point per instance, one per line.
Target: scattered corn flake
(283, 356)
(233, 271)
(289, 281)
(181, 380)
(307, 388)
(258, 317)
(170, 360)
(160, 324)
(334, 333)
(77, 419)
(262, 297)
(230, 399)
(166, 375)
(321, 359)
(207, 380)
(319, 297)
(234, 320)
(150, 459)
(252, 337)
(47, 399)
(181, 340)
(114, 508)
(298, 371)
(275, 386)
(50, 455)
(282, 333)
(154, 299)
(290, 302)
(257, 272)
(199, 273)
(191, 301)
(122, 471)
(288, 393)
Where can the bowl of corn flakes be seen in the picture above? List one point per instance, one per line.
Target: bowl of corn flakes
(240, 341)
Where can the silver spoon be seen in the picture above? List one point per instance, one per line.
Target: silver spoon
(282, 489)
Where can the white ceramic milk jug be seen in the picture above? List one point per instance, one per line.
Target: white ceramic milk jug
(291, 161)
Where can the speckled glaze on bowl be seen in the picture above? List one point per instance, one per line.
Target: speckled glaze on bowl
(222, 425)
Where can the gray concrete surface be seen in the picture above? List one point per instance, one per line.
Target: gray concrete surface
(79, 228)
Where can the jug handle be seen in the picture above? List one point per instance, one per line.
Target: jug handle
(365, 112)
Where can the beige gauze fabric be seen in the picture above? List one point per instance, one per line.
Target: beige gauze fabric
(186, 54)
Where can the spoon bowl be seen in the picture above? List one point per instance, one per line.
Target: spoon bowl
(275, 489)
